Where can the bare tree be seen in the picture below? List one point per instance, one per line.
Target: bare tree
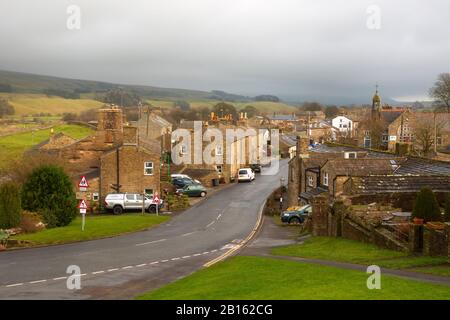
(426, 130)
(440, 92)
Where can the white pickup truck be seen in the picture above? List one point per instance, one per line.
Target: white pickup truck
(120, 202)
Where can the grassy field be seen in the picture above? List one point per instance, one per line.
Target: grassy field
(14, 146)
(344, 250)
(257, 278)
(96, 227)
(28, 104)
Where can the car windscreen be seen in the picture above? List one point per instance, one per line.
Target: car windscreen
(242, 171)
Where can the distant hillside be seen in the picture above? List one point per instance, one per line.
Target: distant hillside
(32, 83)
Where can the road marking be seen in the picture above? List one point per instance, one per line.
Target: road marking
(188, 234)
(37, 281)
(174, 259)
(60, 278)
(14, 285)
(206, 252)
(141, 265)
(197, 254)
(127, 267)
(156, 262)
(218, 217)
(98, 272)
(156, 241)
(185, 257)
(164, 260)
(210, 224)
(215, 250)
(113, 269)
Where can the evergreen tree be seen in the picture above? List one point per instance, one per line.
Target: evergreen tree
(426, 206)
(10, 207)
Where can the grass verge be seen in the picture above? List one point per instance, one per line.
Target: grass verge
(257, 278)
(96, 227)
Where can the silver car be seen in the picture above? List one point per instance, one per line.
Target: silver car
(120, 202)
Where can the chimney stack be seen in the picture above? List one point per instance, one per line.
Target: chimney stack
(302, 147)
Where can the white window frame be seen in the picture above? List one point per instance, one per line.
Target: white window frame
(325, 179)
(147, 167)
(219, 150)
(183, 149)
(310, 181)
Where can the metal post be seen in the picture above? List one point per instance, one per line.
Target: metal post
(83, 221)
(143, 203)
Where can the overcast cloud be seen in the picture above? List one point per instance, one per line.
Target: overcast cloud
(297, 49)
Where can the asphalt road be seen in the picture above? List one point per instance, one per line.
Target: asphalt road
(125, 266)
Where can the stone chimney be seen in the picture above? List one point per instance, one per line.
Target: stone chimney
(110, 125)
(130, 135)
(302, 147)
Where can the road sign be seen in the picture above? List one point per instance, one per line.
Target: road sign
(156, 200)
(83, 207)
(83, 184)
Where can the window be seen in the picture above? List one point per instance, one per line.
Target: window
(95, 196)
(183, 149)
(149, 192)
(310, 181)
(439, 140)
(325, 179)
(130, 197)
(148, 168)
(219, 150)
(219, 169)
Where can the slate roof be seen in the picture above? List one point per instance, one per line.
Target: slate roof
(395, 184)
(198, 173)
(390, 116)
(421, 166)
(362, 167)
(283, 117)
(323, 148)
(311, 193)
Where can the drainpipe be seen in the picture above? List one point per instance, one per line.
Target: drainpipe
(117, 170)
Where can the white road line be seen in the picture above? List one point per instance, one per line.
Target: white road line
(174, 259)
(185, 257)
(156, 262)
(215, 250)
(127, 267)
(210, 224)
(37, 281)
(187, 234)
(98, 272)
(14, 285)
(218, 217)
(197, 254)
(60, 278)
(83, 274)
(164, 260)
(141, 265)
(156, 241)
(113, 269)
(206, 252)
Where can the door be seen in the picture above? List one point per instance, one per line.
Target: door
(130, 201)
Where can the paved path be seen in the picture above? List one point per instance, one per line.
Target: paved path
(273, 235)
(125, 266)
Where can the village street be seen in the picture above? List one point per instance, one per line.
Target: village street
(125, 266)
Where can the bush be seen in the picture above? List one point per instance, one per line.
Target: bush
(447, 208)
(426, 206)
(49, 191)
(9, 205)
(30, 222)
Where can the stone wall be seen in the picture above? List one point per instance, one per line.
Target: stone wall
(435, 242)
(320, 215)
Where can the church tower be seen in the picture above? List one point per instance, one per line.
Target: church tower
(376, 105)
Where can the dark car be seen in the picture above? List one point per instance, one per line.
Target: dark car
(193, 190)
(296, 215)
(256, 167)
(180, 183)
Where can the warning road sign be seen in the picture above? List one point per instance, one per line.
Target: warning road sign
(83, 184)
(82, 205)
(156, 198)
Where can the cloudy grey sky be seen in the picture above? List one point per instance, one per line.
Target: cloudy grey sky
(298, 49)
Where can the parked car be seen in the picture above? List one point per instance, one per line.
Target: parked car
(183, 176)
(296, 215)
(246, 174)
(180, 183)
(193, 190)
(256, 167)
(120, 202)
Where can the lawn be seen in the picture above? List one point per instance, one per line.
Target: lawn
(96, 227)
(257, 278)
(14, 146)
(344, 250)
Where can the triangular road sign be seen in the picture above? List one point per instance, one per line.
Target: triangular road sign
(82, 205)
(83, 182)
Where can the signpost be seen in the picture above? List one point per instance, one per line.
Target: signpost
(83, 208)
(83, 186)
(156, 200)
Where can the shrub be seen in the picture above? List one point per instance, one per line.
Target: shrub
(30, 222)
(426, 206)
(447, 208)
(9, 205)
(49, 191)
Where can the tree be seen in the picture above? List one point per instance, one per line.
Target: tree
(312, 106)
(331, 111)
(251, 111)
(447, 208)
(424, 130)
(49, 191)
(121, 98)
(222, 109)
(440, 92)
(6, 108)
(267, 97)
(10, 207)
(5, 87)
(69, 116)
(183, 105)
(426, 206)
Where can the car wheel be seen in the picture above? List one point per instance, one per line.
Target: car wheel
(152, 209)
(117, 210)
(203, 194)
(294, 220)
